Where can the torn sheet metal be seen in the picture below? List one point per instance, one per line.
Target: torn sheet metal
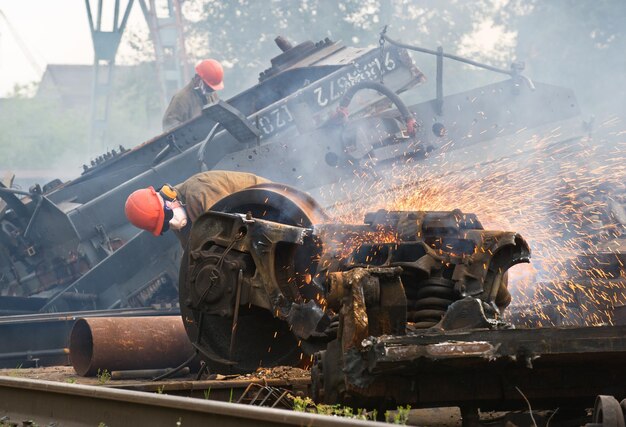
(444, 350)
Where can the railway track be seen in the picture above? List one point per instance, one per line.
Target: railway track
(68, 405)
(222, 390)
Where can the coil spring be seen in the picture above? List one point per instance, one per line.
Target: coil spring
(428, 301)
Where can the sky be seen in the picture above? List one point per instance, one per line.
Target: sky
(57, 31)
(53, 32)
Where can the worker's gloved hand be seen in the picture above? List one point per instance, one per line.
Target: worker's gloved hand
(179, 214)
(327, 328)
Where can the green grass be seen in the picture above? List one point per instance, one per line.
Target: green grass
(401, 415)
(306, 404)
(16, 372)
(104, 376)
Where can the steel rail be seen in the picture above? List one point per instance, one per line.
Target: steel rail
(69, 405)
(186, 386)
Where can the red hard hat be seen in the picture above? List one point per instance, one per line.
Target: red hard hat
(212, 73)
(144, 209)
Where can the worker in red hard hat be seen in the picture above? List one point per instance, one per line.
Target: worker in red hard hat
(177, 207)
(200, 91)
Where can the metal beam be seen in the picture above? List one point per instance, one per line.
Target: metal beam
(105, 45)
(168, 38)
(46, 402)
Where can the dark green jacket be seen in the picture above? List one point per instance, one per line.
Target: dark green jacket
(202, 190)
(186, 105)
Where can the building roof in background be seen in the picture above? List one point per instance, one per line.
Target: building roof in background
(72, 83)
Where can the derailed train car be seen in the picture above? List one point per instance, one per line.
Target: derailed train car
(65, 239)
(68, 246)
(322, 113)
(403, 309)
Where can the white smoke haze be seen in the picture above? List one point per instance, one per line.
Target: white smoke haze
(574, 44)
(565, 199)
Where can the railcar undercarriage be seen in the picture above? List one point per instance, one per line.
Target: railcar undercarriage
(405, 308)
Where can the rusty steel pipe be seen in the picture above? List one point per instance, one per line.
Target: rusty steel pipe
(127, 343)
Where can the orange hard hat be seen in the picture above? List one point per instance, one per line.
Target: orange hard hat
(144, 209)
(212, 73)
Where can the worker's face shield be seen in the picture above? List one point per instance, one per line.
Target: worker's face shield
(205, 88)
(175, 213)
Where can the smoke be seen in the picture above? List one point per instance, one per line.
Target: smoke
(581, 46)
(564, 198)
(567, 198)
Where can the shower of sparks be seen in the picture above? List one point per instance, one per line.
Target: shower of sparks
(567, 199)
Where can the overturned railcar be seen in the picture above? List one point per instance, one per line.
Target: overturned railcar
(321, 114)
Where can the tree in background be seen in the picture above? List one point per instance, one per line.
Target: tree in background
(240, 33)
(136, 111)
(42, 133)
(36, 132)
(567, 42)
(581, 45)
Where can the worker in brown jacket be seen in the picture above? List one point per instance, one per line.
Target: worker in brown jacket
(177, 207)
(200, 91)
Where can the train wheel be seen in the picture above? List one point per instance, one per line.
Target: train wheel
(261, 339)
(608, 412)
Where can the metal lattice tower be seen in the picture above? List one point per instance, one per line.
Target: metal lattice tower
(167, 35)
(105, 45)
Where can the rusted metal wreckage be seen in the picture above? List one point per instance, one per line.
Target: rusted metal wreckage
(405, 308)
(67, 246)
(281, 259)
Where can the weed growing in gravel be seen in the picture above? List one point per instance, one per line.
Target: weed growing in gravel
(306, 404)
(16, 372)
(103, 376)
(401, 415)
